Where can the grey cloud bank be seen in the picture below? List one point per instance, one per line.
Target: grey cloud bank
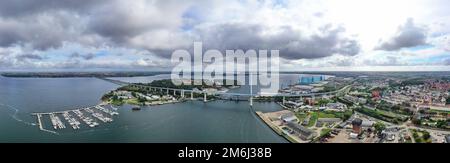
(301, 30)
(408, 35)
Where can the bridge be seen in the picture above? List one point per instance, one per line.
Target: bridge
(250, 95)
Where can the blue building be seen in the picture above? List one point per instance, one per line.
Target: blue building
(310, 79)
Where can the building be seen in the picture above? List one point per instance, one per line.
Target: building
(376, 93)
(123, 94)
(293, 104)
(306, 121)
(336, 106)
(342, 124)
(388, 135)
(357, 125)
(355, 99)
(306, 107)
(309, 79)
(302, 132)
(289, 117)
(367, 123)
(447, 139)
(353, 135)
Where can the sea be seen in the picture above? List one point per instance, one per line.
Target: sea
(187, 122)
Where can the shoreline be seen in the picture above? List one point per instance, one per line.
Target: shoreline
(262, 117)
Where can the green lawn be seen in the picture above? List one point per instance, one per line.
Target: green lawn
(326, 115)
(313, 119)
(333, 114)
(324, 131)
(381, 114)
(133, 101)
(301, 116)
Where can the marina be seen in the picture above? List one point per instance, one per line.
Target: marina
(75, 117)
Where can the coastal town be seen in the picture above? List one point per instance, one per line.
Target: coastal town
(366, 110)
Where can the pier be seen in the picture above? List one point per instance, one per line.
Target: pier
(40, 124)
(57, 123)
(72, 121)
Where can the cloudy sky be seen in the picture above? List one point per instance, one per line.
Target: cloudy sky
(396, 35)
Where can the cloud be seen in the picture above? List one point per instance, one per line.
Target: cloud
(447, 61)
(157, 26)
(29, 57)
(293, 44)
(17, 8)
(44, 31)
(139, 23)
(48, 24)
(408, 35)
(87, 56)
(383, 61)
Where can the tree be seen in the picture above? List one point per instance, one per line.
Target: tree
(142, 99)
(426, 135)
(441, 124)
(415, 135)
(379, 126)
(416, 121)
(322, 102)
(396, 107)
(347, 115)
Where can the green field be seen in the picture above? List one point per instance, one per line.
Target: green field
(313, 119)
(383, 115)
(333, 114)
(324, 131)
(301, 116)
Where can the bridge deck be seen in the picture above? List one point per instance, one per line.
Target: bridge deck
(224, 93)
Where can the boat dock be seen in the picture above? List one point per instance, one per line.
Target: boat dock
(39, 121)
(57, 123)
(72, 121)
(40, 124)
(88, 120)
(99, 116)
(75, 117)
(110, 112)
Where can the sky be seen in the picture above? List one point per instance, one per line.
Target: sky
(313, 35)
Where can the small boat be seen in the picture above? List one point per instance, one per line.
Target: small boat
(136, 108)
